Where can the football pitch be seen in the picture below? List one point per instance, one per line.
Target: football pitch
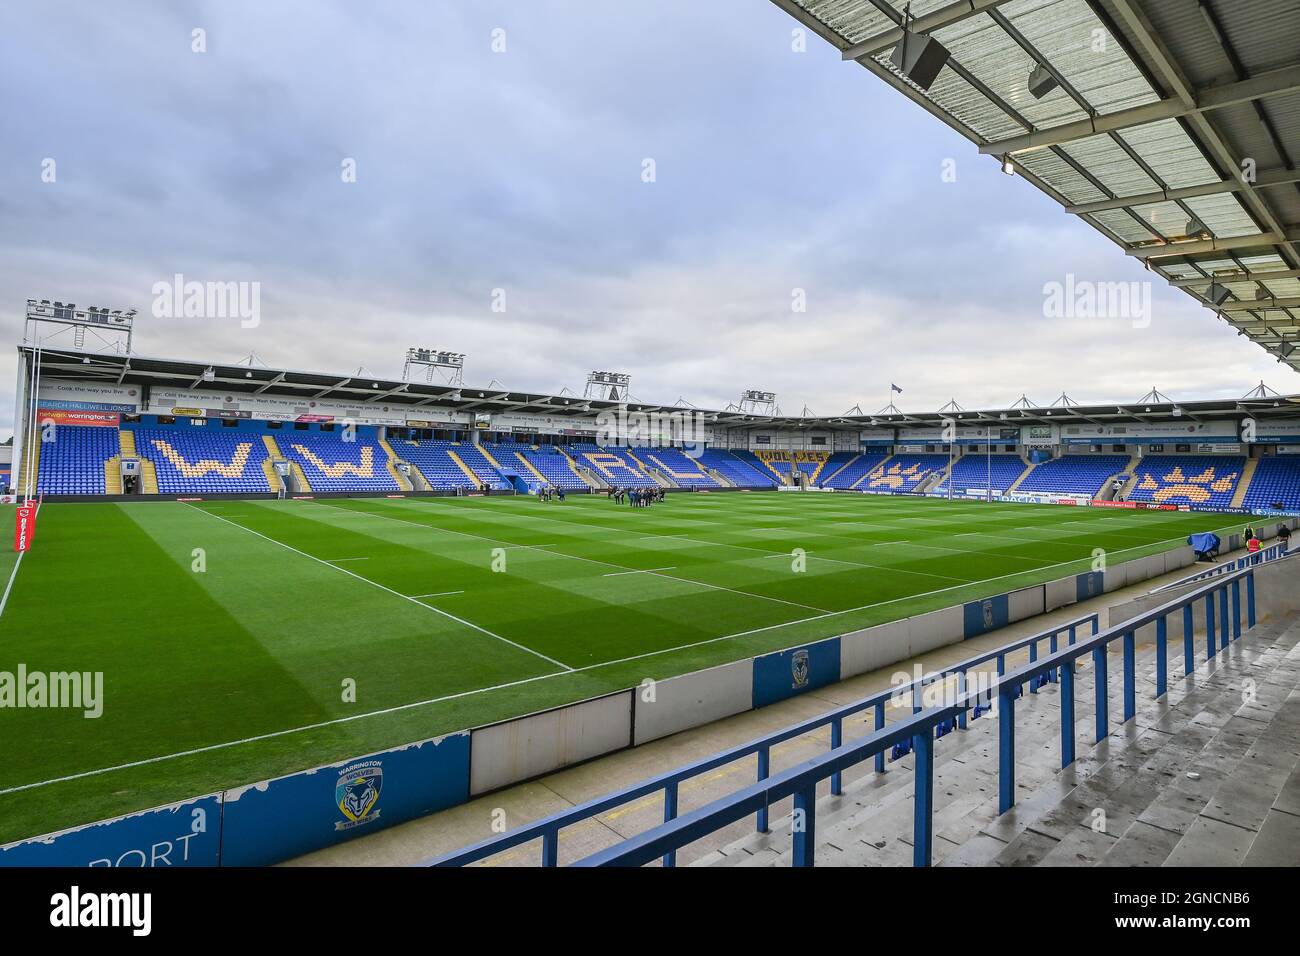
(230, 632)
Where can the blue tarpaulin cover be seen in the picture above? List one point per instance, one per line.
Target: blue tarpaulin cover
(1203, 543)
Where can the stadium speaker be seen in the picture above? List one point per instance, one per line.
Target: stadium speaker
(1041, 82)
(919, 58)
(1285, 349)
(1217, 294)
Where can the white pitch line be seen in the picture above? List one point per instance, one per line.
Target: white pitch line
(517, 683)
(337, 560)
(576, 557)
(419, 597)
(404, 597)
(614, 574)
(4, 601)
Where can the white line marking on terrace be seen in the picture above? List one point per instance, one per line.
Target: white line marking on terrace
(404, 597)
(517, 683)
(614, 574)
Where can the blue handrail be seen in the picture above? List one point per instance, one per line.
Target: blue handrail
(548, 828)
(801, 781)
(1271, 553)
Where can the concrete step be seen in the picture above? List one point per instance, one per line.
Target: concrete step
(1125, 801)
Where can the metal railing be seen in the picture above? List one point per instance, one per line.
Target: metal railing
(548, 829)
(1271, 553)
(920, 728)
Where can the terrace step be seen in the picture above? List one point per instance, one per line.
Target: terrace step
(1245, 752)
(1243, 483)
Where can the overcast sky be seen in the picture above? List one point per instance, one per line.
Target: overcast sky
(523, 171)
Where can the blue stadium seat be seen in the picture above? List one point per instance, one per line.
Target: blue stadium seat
(204, 460)
(73, 462)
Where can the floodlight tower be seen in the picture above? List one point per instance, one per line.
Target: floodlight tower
(447, 366)
(46, 320)
(608, 386)
(755, 402)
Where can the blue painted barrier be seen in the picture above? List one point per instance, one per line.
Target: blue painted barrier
(1090, 585)
(980, 617)
(181, 834)
(271, 821)
(786, 674)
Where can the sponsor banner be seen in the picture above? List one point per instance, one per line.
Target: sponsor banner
(314, 418)
(24, 527)
(61, 393)
(60, 416)
(226, 413)
(1190, 432)
(1089, 585)
(277, 819)
(187, 412)
(86, 406)
(790, 673)
(980, 617)
(1047, 499)
(182, 834)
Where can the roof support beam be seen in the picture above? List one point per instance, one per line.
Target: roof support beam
(943, 17)
(1167, 249)
(1222, 277)
(1259, 305)
(1272, 177)
(1272, 83)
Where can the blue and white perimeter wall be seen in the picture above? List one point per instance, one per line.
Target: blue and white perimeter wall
(274, 820)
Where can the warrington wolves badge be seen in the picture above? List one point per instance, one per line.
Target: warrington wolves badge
(988, 615)
(357, 793)
(799, 669)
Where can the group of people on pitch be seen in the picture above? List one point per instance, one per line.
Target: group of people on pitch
(636, 497)
(550, 493)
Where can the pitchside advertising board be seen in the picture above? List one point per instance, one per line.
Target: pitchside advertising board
(182, 834)
(270, 821)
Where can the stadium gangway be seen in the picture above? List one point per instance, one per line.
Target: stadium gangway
(801, 782)
(548, 829)
(1271, 553)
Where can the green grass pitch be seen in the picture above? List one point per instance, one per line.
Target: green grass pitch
(234, 673)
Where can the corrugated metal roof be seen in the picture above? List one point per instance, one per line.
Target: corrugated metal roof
(1118, 55)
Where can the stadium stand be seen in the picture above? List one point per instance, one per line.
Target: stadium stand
(204, 460)
(833, 464)
(982, 472)
(554, 467)
(904, 473)
(486, 472)
(778, 468)
(855, 471)
(1207, 480)
(742, 474)
(73, 463)
(1073, 474)
(617, 467)
(435, 463)
(1276, 481)
(674, 463)
(332, 464)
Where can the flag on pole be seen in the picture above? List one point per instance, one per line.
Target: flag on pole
(895, 388)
